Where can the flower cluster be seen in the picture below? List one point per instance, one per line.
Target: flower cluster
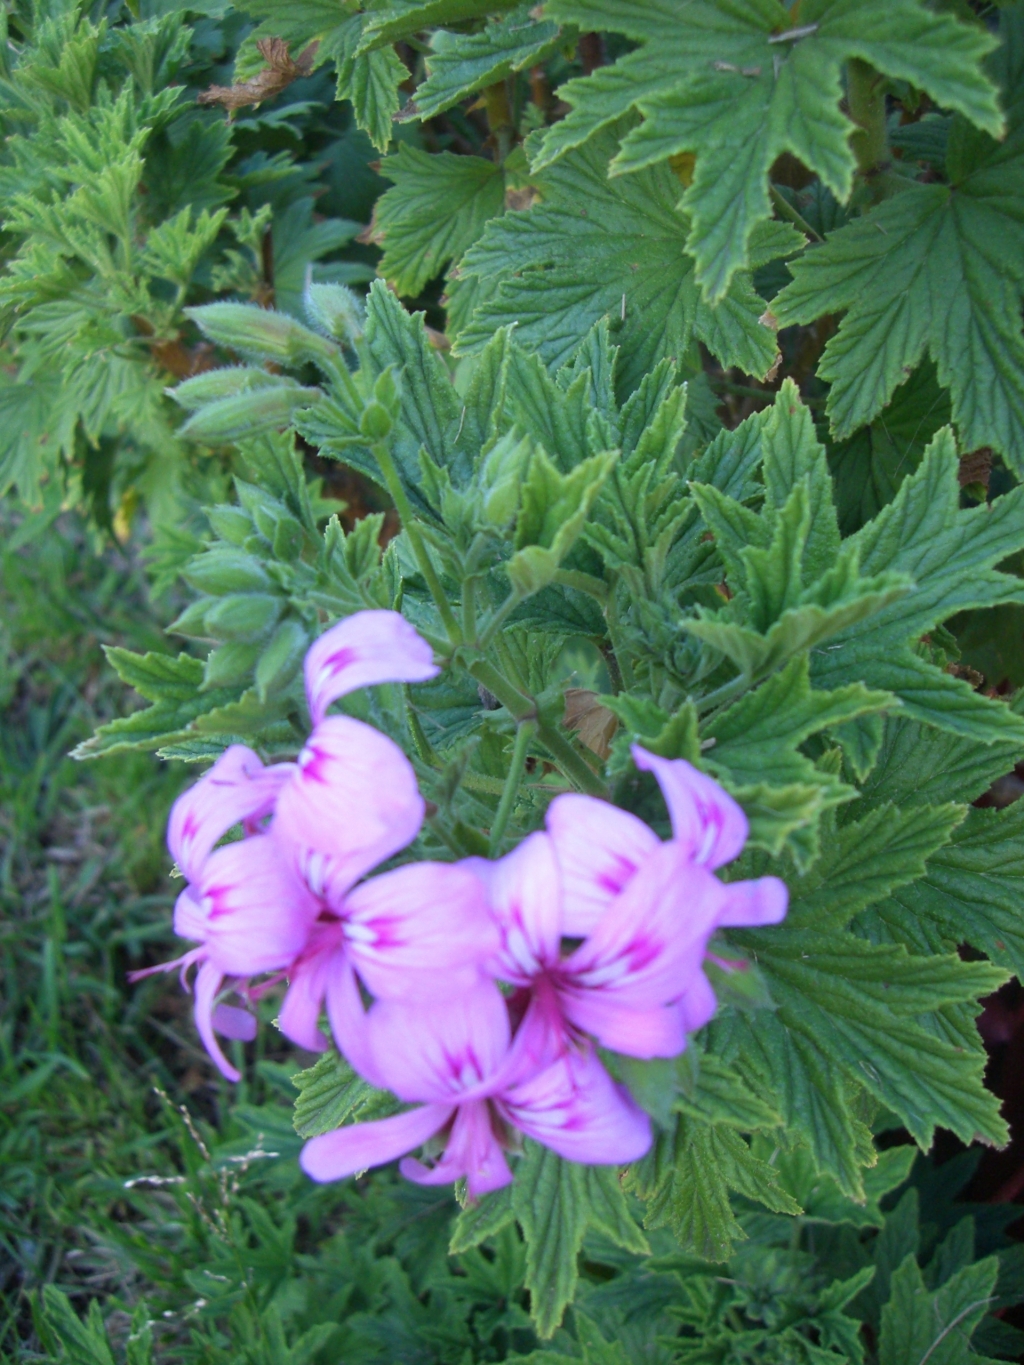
(490, 983)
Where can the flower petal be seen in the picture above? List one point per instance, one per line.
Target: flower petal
(651, 940)
(445, 1050)
(599, 848)
(258, 914)
(472, 1151)
(333, 1156)
(366, 648)
(697, 1005)
(231, 1022)
(238, 787)
(762, 901)
(352, 804)
(705, 819)
(410, 929)
(575, 1108)
(635, 1032)
(308, 978)
(189, 916)
(525, 893)
(208, 982)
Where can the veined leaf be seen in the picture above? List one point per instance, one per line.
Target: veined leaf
(685, 1181)
(865, 860)
(820, 1196)
(331, 1094)
(970, 892)
(554, 1202)
(949, 554)
(918, 766)
(437, 209)
(172, 686)
(749, 84)
(935, 1327)
(757, 741)
(369, 79)
(853, 1008)
(396, 19)
(919, 274)
(595, 248)
(460, 64)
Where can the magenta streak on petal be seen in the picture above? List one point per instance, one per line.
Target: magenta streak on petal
(381, 932)
(634, 958)
(213, 899)
(335, 662)
(314, 764)
(614, 880)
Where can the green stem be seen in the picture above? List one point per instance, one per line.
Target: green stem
(426, 566)
(522, 708)
(524, 733)
(499, 618)
(722, 694)
(865, 90)
(469, 610)
(423, 746)
(570, 763)
(786, 210)
(583, 582)
(519, 706)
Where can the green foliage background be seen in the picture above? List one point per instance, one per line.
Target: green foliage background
(708, 434)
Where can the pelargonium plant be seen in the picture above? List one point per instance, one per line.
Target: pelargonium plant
(639, 862)
(595, 928)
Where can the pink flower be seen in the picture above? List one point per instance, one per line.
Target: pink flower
(313, 828)
(412, 934)
(644, 910)
(453, 1058)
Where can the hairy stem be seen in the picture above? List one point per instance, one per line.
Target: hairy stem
(583, 582)
(499, 118)
(865, 89)
(498, 618)
(525, 731)
(786, 210)
(523, 708)
(426, 566)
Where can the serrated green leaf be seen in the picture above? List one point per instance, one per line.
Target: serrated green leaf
(397, 19)
(970, 891)
(171, 685)
(481, 1220)
(34, 426)
(936, 1327)
(548, 1202)
(685, 1181)
(949, 554)
(594, 248)
(919, 766)
(608, 1212)
(865, 860)
(786, 1068)
(460, 64)
(331, 1094)
(748, 85)
(758, 738)
(437, 209)
(822, 1199)
(554, 1201)
(370, 80)
(917, 274)
(868, 469)
(721, 1096)
(853, 1005)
